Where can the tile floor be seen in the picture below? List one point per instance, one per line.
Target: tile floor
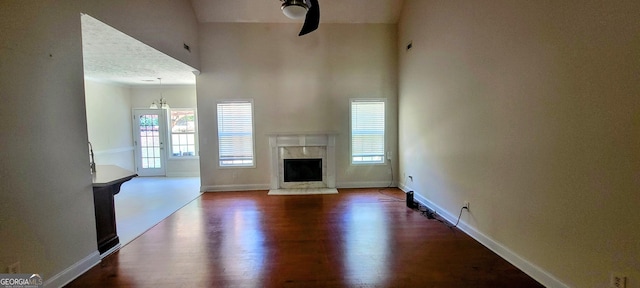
(145, 201)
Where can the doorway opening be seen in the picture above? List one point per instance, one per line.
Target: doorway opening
(120, 85)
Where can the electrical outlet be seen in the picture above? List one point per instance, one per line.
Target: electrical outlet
(618, 280)
(389, 155)
(466, 205)
(411, 178)
(14, 268)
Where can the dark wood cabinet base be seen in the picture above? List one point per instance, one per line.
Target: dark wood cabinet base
(106, 245)
(104, 190)
(106, 230)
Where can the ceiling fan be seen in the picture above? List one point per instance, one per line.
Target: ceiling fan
(309, 9)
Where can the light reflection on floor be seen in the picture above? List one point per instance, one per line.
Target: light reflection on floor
(366, 244)
(245, 235)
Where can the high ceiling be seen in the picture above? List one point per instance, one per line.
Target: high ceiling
(112, 56)
(268, 11)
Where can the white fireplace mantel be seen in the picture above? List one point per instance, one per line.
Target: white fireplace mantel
(327, 140)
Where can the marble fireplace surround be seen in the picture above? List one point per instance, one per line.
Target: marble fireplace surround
(302, 146)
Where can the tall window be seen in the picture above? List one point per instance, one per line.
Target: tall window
(183, 132)
(235, 133)
(367, 131)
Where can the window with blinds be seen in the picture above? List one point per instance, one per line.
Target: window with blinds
(235, 134)
(367, 131)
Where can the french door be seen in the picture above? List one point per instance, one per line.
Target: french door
(149, 129)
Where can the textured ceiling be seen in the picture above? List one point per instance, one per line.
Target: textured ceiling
(112, 56)
(268, 11)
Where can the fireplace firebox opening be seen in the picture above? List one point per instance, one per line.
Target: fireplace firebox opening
(302, 170)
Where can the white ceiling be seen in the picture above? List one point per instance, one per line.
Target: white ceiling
(112, 56)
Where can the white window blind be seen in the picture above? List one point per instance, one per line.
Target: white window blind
(367, 131)
(235, 133)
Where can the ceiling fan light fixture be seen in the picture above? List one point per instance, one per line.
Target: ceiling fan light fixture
(294, 9)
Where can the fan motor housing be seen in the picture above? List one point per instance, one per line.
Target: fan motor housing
(294, 9)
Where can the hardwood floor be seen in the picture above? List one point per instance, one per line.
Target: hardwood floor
(357, 238)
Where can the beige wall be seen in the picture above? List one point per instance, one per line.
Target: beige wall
(530, 111)
(177, 96)
(109, 123)
(298, 84)
(46, 205)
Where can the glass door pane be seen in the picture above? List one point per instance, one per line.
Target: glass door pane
(149, 129)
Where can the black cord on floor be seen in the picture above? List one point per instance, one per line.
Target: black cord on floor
(433, 215)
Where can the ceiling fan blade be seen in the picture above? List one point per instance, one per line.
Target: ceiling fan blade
(312, 20)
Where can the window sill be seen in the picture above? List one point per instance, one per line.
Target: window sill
(236, 167)
(369, 164)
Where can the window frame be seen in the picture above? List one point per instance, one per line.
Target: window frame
(253, 134)
(195, 134)
(383, 161)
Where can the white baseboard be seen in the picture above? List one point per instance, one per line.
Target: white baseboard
(404, 187)
(73, 271)
(110, 251)
(537, 273)
(239, 187)
(364, 184)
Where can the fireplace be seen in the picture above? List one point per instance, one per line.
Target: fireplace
(302, 160)
(302, 170)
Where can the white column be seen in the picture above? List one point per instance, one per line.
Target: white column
(331, 161)
(273, 145)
